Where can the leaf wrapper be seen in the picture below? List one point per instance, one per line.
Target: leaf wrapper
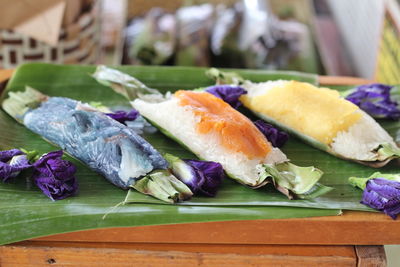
(361, 182)
(295, 181)
(124, 84)
(163, 185)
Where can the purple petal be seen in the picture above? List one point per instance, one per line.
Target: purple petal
(375, 100)
(56, 189)
(392, 211)
(6, 171)
(11, 169)
(61, 168)
(123, 116)
(6, 155)
(45, 157)
(195, 181)
(276, 137)
(20, 161)
(209, 176)
(385, 188)
(384, 195)
(229, 93)
(55, 176)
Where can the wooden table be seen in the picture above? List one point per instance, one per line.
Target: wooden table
(352, 239)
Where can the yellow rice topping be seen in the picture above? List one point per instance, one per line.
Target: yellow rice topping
(316, 112)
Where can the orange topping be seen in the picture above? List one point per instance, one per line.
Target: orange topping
(236, 132)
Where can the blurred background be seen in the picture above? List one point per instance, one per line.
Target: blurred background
(328, 37)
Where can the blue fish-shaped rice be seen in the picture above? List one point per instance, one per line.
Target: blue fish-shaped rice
(105, 145)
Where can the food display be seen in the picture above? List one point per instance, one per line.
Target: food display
(214, 131)
(318, 116)
(186, 138)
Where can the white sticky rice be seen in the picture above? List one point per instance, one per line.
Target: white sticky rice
(361, 139)
(181, 122)
(257, 89)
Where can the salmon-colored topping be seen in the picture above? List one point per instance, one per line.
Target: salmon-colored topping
(236, 132)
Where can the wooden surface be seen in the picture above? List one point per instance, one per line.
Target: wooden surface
(351, 228)
(342, 80)
(116, 254)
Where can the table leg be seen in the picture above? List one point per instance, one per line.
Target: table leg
(370, 256)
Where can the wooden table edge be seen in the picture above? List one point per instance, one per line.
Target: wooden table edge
(62, 253)
(342, 80)
(378, 229)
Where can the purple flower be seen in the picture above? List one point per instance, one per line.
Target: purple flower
(276, 137)
(384, 195)
(55, 176)
(375, 99)
(12, 162)
(204, 177)
(123, 116)
(229, 93)
(6, 155)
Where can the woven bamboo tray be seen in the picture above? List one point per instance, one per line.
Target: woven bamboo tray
(78, 43)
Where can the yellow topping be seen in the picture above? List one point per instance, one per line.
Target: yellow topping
(312, 111)
(236, 132)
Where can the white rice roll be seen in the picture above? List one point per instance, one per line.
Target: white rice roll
(181, 122)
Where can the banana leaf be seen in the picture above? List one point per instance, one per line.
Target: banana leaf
(26, 213)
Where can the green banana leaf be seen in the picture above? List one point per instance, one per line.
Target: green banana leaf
(26, 213)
